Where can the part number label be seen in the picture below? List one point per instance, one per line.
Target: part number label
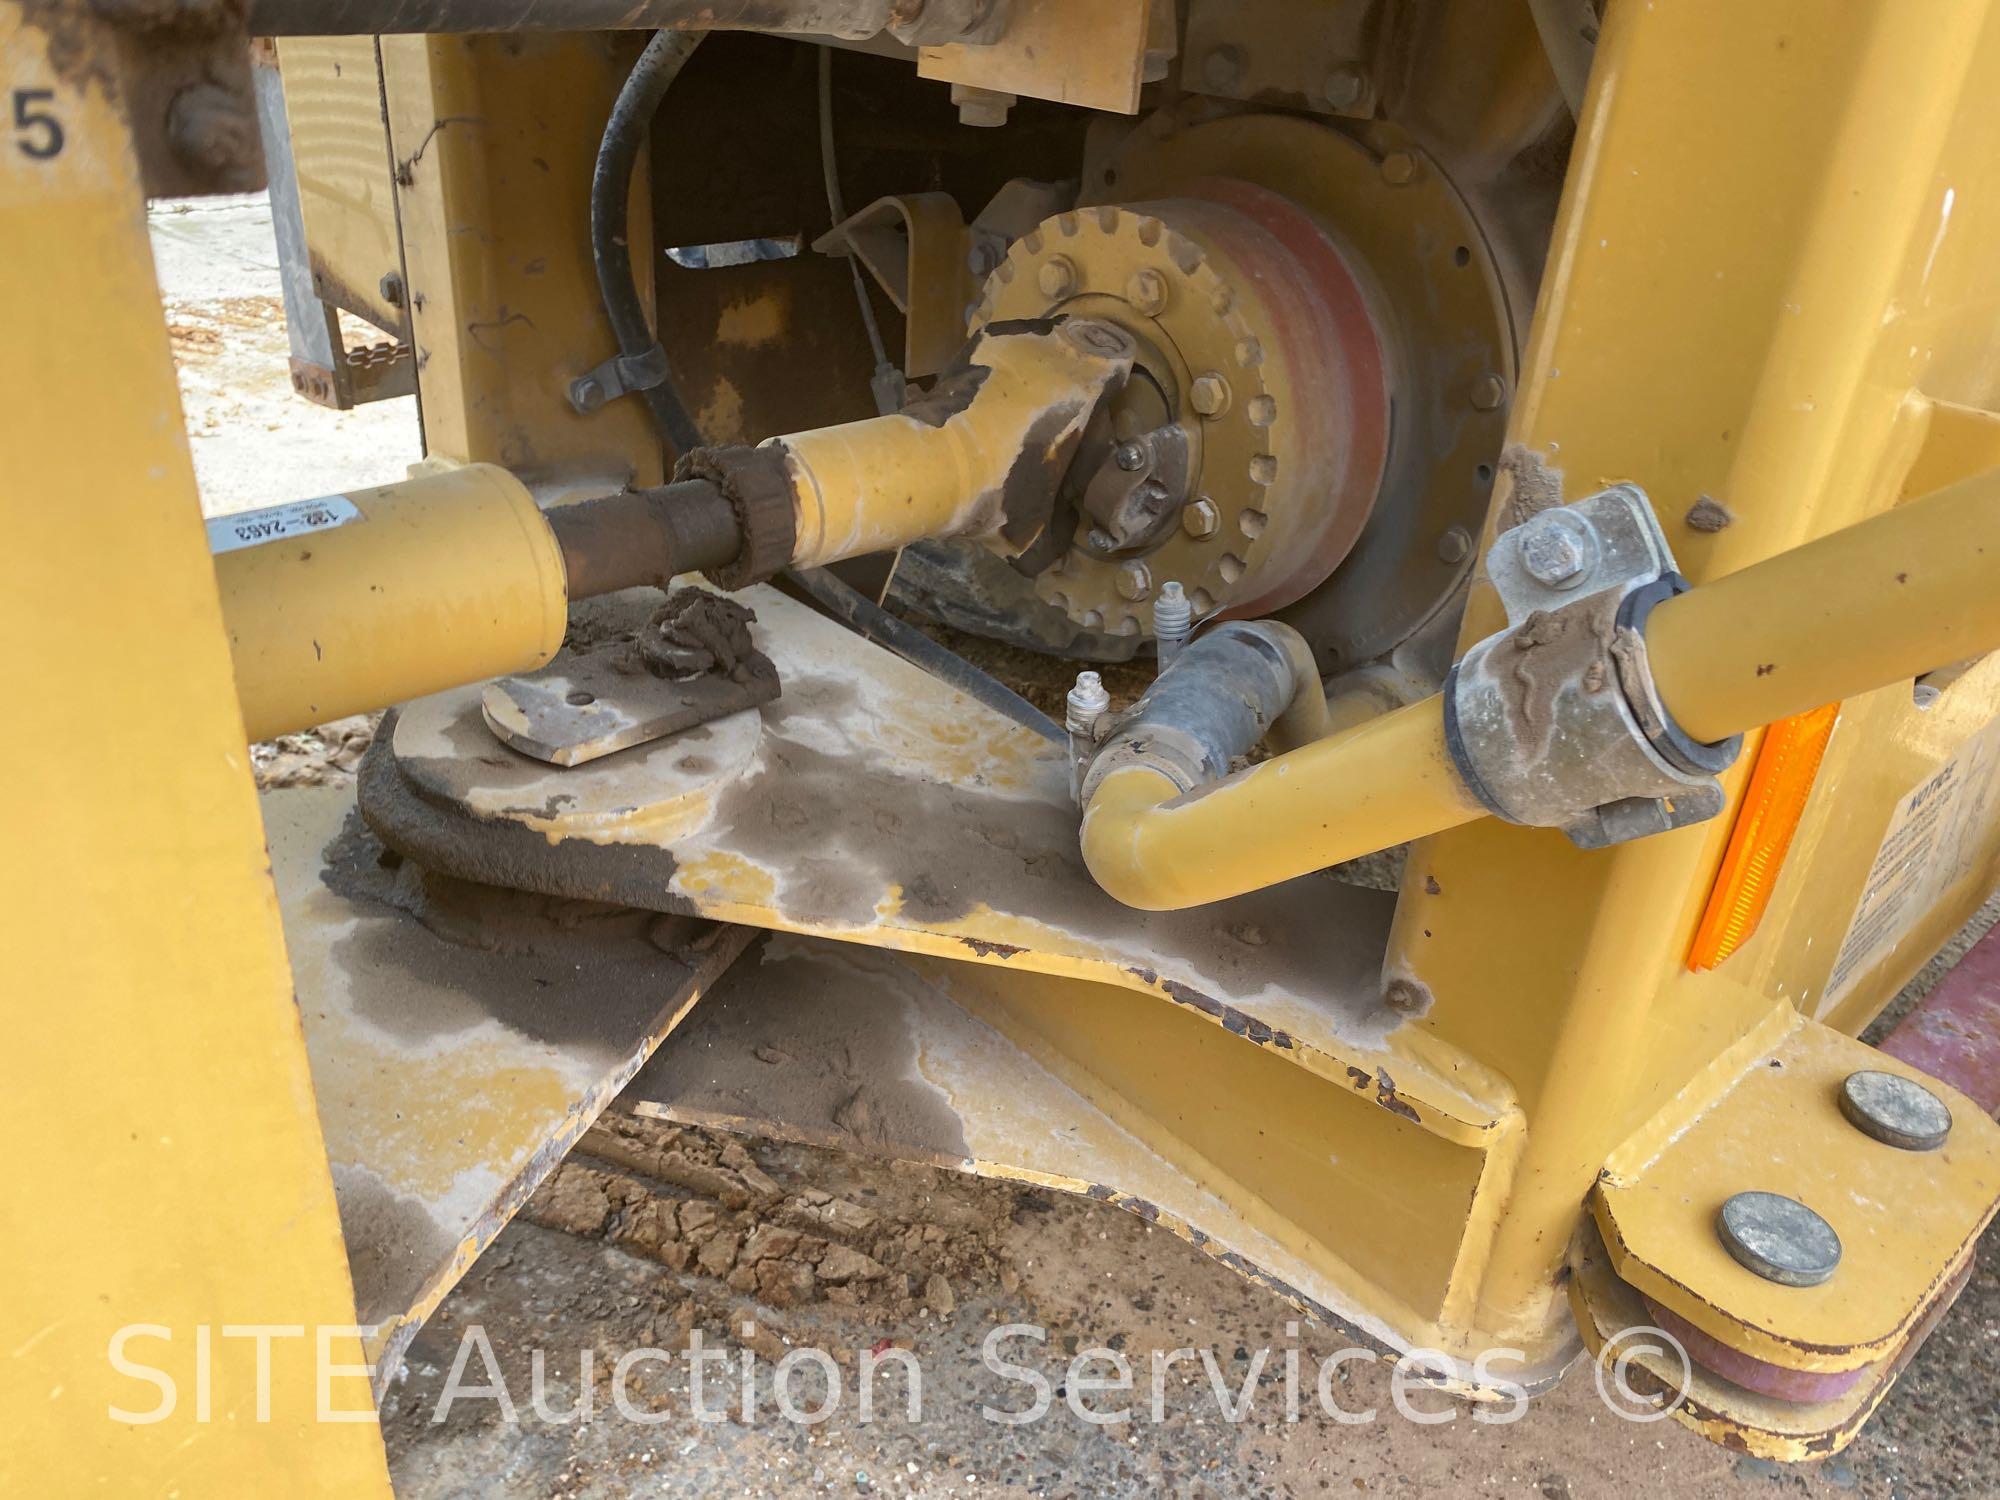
(277, 523)
(1934, 840)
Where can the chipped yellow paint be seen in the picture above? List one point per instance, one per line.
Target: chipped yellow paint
(724, 881)
(168, 1166)
(656, 823)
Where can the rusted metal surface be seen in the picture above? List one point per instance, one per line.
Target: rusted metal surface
(451, 1076)
(644, 536)
(939, 21)
(1954, 1033)
(1091, 53)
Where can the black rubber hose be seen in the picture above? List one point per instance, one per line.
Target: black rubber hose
(610, 204)
(865, 617)
(610, 218)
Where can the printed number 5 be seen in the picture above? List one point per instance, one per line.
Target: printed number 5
(41, 133)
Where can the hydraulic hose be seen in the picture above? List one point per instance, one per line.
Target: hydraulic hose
(610, 219)
(1875, 604)
(865, 617)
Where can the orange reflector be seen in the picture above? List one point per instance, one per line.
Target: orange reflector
(1780, 782)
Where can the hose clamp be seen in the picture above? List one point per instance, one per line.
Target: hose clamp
(1556, 722)
(619, 376)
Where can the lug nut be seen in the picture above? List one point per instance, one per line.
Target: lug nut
(1209, 395)
(1454, 545)
(1201, 519)
(1779, 1238)
(1488, 391)
(1135, 581)
(1399, 168)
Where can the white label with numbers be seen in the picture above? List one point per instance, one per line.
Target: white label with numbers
(277, 523)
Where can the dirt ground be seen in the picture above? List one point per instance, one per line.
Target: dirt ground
(651, 1236)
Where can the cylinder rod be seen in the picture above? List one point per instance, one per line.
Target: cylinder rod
(1887, 599)
(644, 537)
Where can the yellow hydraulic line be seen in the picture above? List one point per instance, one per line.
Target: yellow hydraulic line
(1893, 597)
(1366, 788)
(1907, 591)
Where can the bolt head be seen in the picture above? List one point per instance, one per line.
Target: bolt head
(1201, 519)
(1130, 457)
(1223, 68)
(1488, 391)
(1346, 86)
(586, 394)
(1135, 581)
(1147, 291)
(1057, 277)
(1552, 556)
(1209, 394)
(1454, 545)
(391, 288)
(1399, 168)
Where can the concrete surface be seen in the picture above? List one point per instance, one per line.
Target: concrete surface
(1091, 1275)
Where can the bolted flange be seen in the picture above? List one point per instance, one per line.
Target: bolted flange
(1257, 342)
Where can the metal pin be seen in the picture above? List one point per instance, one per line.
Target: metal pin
(1779, 1238)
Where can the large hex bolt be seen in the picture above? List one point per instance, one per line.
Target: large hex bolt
(1895, 1110)
(1558, 549)
(1135, 581)
(1779, 1238)
(1200, 519)
(1057, 277)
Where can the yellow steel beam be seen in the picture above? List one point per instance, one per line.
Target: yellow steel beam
(168, 1168)
(493, 140)
(1757, 349)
